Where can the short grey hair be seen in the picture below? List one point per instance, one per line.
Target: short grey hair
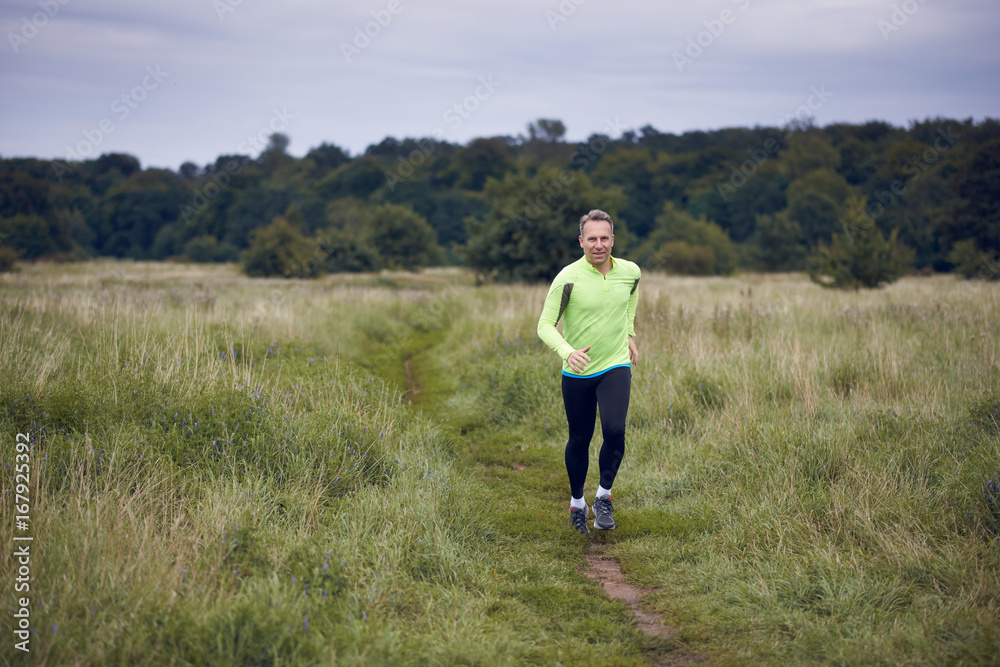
(597, 214)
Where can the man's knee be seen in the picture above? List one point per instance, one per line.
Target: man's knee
(614, 434)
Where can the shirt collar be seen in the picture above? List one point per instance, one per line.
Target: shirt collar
(594, 268)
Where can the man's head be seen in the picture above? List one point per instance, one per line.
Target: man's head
(597, 236)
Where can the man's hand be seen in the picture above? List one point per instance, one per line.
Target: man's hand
(578, 360)
(633, 351)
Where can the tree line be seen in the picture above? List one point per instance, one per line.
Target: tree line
(801, 197)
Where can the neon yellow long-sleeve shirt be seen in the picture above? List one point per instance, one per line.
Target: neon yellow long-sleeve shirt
(598, 311)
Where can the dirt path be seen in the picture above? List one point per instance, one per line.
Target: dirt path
(606, 570)
(600, 567)
(411, 380)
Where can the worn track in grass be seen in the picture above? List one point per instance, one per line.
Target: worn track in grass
(502, 473)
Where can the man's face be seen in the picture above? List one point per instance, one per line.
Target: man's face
(597, 241)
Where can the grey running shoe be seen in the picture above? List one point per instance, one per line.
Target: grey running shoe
(604, 514)
(578, 519)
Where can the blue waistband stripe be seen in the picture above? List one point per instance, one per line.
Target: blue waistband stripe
(593, 375)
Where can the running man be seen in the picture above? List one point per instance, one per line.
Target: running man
(596, 295)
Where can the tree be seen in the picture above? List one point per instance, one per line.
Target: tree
(276, 154)
(977, 211)
(188, 171)
(8, 259)
(807, 150)
(762, 193)
(779, 242)
(480, 160)
(327, 156)
(206, 248)
(122, 164)
(28, 235)
(973, 263)
(532, 224)
(345, 251)
(635, 172)
(681, 243)
(404, 239)
(281, 250)
(861, 256)
(815, 201)
(451, 210)
(546, 129)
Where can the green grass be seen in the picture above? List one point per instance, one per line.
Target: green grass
(368, 470)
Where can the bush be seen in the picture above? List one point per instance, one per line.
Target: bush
(345, 252)
(972, 263)
(532, 225)
(206, 248)
(681, 243)
(281, 250)
(8, 259)
(778, 242)
(861, 256)
(27, 234)
(684, 258)
(404, 239)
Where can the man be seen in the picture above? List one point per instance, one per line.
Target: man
(596, 295)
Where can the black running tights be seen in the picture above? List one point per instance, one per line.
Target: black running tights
(582, 396)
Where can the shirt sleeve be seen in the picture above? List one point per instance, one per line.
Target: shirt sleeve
(633, 302)
(547, 322)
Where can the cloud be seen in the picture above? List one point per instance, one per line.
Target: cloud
(229, 68)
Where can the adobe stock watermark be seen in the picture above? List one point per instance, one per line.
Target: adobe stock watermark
(714, 27)
(122, 107)
(739, 175)
(363, 35)
(565, 9)
(21, 559)
(223, 7)
(220, 180)
(455, 115)
(899, 17)
(31, 26)
(881, 201)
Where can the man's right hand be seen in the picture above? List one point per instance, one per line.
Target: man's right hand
(578, 360)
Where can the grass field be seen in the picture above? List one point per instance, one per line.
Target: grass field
(368, 470)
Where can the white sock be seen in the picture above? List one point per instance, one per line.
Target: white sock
(578, 503)
(603, 493)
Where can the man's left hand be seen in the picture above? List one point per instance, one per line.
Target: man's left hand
(633, 351)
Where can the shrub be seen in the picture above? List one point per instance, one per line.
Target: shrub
(8, 259)
(681, 243)
(206, 248)
(531, 227)
(28, 234)
(281, 250)
(684, 258)
(971, 262)
(344, 252)
(404, 239)
(861, 256)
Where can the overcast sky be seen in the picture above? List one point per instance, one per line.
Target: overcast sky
(194, 79)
